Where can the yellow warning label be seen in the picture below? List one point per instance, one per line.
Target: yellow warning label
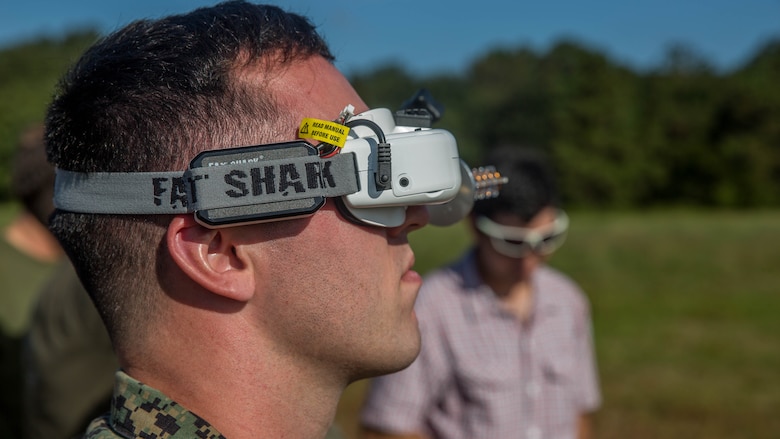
(324, 131)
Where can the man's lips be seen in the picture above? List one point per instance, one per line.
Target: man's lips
(410, 275)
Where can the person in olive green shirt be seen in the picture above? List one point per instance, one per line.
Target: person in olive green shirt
(61, 367)
(28, 253)
(68, 361)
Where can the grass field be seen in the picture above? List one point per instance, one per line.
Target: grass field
(685, 308)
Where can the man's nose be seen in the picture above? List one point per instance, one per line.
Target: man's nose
(416, 218)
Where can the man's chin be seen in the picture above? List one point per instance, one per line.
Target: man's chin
(394, 361)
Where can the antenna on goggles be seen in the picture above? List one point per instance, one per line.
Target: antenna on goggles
(487, 182)
(421, 110)
(480, 183)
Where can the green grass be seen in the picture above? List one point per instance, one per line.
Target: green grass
(685, 311)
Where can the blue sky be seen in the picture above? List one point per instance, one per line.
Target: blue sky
(429, 36)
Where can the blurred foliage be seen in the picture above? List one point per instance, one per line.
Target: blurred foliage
(28, 74)
(680, 134)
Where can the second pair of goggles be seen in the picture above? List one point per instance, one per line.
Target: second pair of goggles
(380, 170)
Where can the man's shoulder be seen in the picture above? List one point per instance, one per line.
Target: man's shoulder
(444, 282)
(447, 289)
(559, 287)
(460, 271)
(550, 274)
(100, 429)
(141, 411)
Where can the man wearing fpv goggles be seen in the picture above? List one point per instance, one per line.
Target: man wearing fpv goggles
(243, 287)
(506, 340)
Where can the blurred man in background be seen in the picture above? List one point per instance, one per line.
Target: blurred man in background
(507, 350)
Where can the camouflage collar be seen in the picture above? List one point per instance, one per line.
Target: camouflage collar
(140, 411)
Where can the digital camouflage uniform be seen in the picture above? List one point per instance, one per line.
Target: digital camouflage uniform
(139, 411)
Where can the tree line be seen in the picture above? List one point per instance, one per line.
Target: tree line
(682, 133)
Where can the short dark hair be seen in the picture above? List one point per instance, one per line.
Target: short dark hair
(531, 187)
(149, 97)
(32, 176)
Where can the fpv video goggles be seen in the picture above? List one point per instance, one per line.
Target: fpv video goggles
(374, 164)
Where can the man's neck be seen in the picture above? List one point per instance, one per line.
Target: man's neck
(520, 300)
(515, 294)
(253, 395)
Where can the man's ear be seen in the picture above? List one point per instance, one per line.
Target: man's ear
(209, 257)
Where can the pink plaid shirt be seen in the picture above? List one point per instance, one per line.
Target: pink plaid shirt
(482, 373)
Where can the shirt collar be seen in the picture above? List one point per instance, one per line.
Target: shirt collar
(542, 305)
(138, 410)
